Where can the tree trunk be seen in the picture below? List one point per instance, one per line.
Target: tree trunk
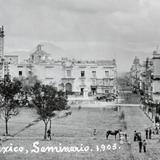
(6, 123)
(45, 130)
(50, 127)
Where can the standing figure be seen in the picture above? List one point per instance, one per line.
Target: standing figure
(144, 145)
(157, 131)
(125, 135)
(140, 146)
(146, 133)
(139, 136)
(150, 133)
(49, 134)
(135, 135)
(94, 132)
(79, 107)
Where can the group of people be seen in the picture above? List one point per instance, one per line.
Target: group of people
(148, 135)
(148, 132)
(142, 143)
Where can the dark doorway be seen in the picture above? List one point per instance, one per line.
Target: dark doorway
(68, 87)
(93, 90)
(82, 91)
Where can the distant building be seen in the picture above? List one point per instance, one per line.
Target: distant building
(1, 52)
(146, 79)
(11, 59)
(156, 77)
(135, 72)
(72, 76)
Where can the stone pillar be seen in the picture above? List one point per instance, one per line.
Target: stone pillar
(85, 93)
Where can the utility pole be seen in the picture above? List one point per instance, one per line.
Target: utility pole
(2, 52)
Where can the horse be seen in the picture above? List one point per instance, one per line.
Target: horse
(114, 133)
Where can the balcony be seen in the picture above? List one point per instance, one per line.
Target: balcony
(156, 77)
(109, 77)
(82, 82)
(67, 79)
(82, 77)
(157, 92)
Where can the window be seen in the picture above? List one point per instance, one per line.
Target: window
(94, 82)
(106, 82)
(82, 81)
(94, 73)
(82, 73)
(106, 73)
(106, 91)
(30, 72)
(20, 73)
(68, 73)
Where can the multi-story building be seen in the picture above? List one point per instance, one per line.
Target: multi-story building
(135, 73)
(146, 78)
(156, 77)
(1, 52)
(81, 77)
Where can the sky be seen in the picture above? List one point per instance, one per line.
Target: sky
(83, 29)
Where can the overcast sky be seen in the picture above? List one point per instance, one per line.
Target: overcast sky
(91, 29)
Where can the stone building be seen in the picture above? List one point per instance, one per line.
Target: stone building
(72, 76)
(135, 72)
(146, 79)
(156, 77)
(1, 52)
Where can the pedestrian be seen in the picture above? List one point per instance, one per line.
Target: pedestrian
(139, 136)
(135, 136)
(144, 145)
(157, 131)
(125, 135)
(49, 134)
(140, 146)
(150, 133)
(94, 132)
(146, 133)
(79, 107)
(0, 142)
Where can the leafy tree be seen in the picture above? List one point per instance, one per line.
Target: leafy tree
(27, 84)
(47, 100)
(10, 99)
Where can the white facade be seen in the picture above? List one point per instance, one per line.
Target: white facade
(156, 77)
(81, 77)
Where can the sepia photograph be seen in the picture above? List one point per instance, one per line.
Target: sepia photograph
(79, 80)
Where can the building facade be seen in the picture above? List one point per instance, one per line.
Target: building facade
(1, 52)
(145, 77)
(72, 76)
(135, 72)
(156, 77)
